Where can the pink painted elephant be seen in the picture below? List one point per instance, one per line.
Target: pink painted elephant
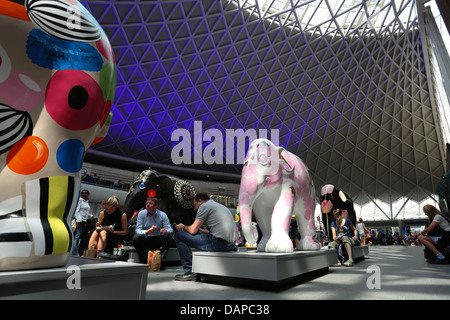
(57, 84)
(276, 184)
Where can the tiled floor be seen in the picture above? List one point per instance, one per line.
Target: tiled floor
(389, 272)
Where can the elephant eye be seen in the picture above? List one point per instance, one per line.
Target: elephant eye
(74, 99)
(264, 160)
(142, 186)
(78, 97)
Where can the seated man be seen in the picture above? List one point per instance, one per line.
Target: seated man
(152, 229)
(220, 233)
(341, 230)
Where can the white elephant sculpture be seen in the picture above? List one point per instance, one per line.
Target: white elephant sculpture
(57, 84)
(276, 184)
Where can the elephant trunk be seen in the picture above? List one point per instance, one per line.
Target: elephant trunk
(41, 227)
(49, 222)
(247, 195)
(132, 204)
(246, 224)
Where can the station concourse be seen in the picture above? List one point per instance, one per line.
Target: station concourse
(169, 99)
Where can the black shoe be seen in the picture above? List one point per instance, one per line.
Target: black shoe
(186, 277)
(440, 261)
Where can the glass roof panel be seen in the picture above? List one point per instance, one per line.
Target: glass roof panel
(372, 15)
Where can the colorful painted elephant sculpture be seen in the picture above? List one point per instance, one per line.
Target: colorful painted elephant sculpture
(276, 184)
(332, 198)
(57, 84)
(175, 196)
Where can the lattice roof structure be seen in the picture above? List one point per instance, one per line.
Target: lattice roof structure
(348, 85)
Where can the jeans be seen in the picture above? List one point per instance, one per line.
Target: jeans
(200, 241)
(76, 238)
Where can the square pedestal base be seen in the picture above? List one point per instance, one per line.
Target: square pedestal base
(96, 279)
(261, 265)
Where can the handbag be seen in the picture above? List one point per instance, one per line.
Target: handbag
(117, 257)
(154, 260)
(90, 253)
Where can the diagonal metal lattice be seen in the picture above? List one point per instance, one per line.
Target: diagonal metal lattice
(344, 82)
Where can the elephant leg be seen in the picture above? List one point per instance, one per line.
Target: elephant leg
(262, 213)
(305, 225)
(281, 218)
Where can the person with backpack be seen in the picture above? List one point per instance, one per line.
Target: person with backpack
(436, 237)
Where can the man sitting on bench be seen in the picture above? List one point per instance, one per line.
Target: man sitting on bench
(152, 229)
(220, 233)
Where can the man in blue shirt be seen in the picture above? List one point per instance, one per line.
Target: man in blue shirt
(152, 229)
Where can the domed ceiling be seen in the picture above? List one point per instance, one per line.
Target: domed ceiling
(342, 84)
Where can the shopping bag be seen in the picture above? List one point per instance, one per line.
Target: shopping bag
(154, 260)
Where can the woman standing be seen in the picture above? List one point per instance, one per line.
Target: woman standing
(111, 227)
(82, 213)
(361, 227)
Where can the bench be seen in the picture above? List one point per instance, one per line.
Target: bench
(172, 255)
(359, 252)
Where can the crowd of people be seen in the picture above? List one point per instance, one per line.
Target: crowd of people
(214, 229)
(435, 238)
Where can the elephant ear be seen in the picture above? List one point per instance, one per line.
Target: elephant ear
(165, 185)
(184, 193)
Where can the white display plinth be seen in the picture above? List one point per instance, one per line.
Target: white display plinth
(96, 279)
(261, 265)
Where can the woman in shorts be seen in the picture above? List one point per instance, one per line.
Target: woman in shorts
(436, 219)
